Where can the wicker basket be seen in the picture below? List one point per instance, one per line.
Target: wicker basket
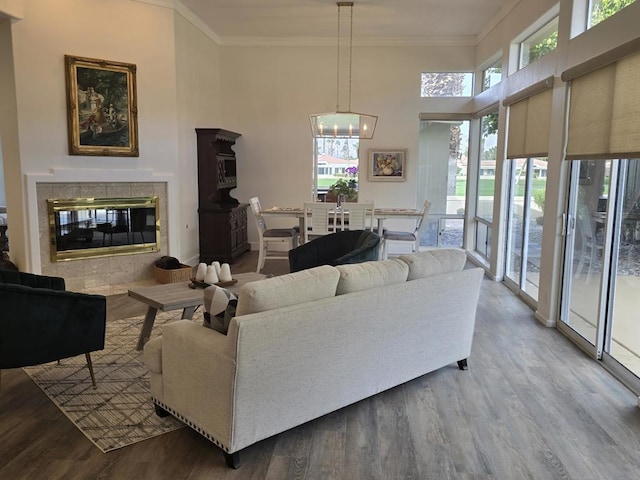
(182, 274)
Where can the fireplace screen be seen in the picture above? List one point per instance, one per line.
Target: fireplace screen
(97, 227)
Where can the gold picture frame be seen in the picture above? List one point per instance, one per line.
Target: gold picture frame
(102, 109)
(387, 165)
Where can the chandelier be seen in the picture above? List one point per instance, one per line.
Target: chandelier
(343, 123)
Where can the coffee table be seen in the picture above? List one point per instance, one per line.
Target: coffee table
(174, 296)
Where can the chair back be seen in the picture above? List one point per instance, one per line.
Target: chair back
(320, 218)
(361, 215)
(256, 208)
(421, 224)
(585, 224)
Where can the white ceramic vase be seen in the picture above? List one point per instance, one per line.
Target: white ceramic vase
(211, 277)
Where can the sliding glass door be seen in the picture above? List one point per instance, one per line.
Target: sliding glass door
(524, 232)
(601, 283)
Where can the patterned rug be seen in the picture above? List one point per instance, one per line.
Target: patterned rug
(119, 411)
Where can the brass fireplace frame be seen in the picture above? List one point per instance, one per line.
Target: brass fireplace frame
(56, 206)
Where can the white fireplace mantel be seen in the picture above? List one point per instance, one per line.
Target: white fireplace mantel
(67, 175)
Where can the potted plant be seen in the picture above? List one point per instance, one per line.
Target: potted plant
(345, 189)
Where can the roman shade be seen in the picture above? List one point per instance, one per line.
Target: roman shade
(604, 108)
(529, 120)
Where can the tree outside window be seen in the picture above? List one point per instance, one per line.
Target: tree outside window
(603, 9)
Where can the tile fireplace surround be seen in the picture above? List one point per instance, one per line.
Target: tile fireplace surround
(90, 273)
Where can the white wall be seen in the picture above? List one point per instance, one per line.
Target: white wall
(198, 105)
(177, 90)
(269, 93)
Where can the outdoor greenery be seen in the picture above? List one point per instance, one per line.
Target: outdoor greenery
(606, 8)
(486, 187)
(546, 45)
(444, 84)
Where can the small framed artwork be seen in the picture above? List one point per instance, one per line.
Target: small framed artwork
(102, 111)
(387, 165)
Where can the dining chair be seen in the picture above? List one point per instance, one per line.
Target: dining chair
(267, 236)
(321, 218)
(361, 216)
(590, 249)
(400, 236)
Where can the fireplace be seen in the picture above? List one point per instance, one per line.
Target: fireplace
(97, 227)
(113, 267)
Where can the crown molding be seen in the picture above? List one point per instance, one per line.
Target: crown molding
(188, 15)
(434, 41)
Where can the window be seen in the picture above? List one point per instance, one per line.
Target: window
(487, 165)
(446, 84)
(336, 161)
(525, 217)
(600, 10)
(492, 75)
(539, 44)
(442, 179)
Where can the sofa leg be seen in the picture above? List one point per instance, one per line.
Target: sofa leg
(232, 459)
(462, 364)
(90, 366)
(161, 412)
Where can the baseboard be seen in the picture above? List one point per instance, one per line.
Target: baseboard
(547, 322)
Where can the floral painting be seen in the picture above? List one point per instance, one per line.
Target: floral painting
(387, 165)
(102, 110)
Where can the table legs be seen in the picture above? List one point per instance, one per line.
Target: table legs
(187, 313)
(150, 317)
(145, 333)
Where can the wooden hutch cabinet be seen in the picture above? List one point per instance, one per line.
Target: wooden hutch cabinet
(223, 220)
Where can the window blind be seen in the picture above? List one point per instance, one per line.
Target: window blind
(604, 112)
(529, 123)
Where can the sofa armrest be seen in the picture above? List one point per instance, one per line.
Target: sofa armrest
(198, 377)
(41, 325)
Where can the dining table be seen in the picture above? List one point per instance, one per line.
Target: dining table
(380, 214)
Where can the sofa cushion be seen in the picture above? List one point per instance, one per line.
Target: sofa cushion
(361, 276)
(220, 307)
(434, 262)
(299, 287)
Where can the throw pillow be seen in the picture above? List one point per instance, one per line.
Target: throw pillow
(220, 307)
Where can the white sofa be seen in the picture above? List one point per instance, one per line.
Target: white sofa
(308, 343)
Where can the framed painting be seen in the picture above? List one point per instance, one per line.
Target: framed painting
(387, 165)
(102, 111)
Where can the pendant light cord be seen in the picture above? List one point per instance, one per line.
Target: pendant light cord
(340, 5)
(350, 52)
(338, 66)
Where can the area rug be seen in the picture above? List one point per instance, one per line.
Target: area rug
(119, 412)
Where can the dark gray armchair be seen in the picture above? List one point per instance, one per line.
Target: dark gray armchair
(42, 322)
(348, 246)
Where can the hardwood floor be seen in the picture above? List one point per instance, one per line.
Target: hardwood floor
(531, 405)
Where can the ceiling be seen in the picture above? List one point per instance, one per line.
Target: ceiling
(374, 21)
